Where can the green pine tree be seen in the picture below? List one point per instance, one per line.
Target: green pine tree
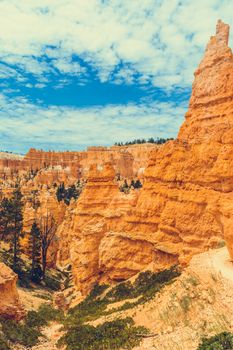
(60, 193)
(5, 218)
(138, 184)
(35, 253)
(15, 226)
(71, 192)
(132, 184)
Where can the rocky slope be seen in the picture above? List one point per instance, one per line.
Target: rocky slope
(185, 206)
(196, 305)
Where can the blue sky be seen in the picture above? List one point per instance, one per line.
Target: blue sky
(76, 73)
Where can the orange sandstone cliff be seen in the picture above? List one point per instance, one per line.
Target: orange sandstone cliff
(186, 203)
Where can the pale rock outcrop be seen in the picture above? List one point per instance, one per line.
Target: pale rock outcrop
(10, 304)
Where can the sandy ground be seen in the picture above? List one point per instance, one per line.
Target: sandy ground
(221, 264)
(52, 334)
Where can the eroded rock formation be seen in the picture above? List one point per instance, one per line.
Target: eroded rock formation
(10, 305)
(128, 161)
(186, 203)
(100, 207)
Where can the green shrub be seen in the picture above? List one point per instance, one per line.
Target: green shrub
(87, 310)
(121, 291)
(222, 341)
(35, 319)
(185, 302)
(46, 313)
(146, 285)
(43, 296)
(20, 333)
(97, 290)
(118, 334)
(3, 343)
(90, 308)
(52, 283)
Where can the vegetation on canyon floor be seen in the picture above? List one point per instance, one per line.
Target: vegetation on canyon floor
(117, 334)
(222, 341)
(27, 332)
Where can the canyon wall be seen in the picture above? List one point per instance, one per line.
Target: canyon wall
(186, 203)
(128, 161)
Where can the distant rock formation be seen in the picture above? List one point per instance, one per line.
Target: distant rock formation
(10, 305)
(128, 161)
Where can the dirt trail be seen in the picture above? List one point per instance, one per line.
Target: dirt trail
(52, 333)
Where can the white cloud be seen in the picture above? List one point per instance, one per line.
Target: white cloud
(24, 124)
(162, 39)
(125, 41)
(66, 66)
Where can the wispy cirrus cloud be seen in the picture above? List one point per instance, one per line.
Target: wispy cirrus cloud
(25, 125)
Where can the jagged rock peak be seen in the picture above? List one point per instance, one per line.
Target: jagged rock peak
(211, 92)
(217, 47)
(222, 32)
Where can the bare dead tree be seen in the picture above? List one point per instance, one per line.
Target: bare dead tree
(48, 228)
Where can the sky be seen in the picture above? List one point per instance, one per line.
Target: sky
(76, 73)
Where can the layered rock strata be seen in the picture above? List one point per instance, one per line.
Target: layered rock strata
(128, 161)
(186, 203)
(100, 208)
